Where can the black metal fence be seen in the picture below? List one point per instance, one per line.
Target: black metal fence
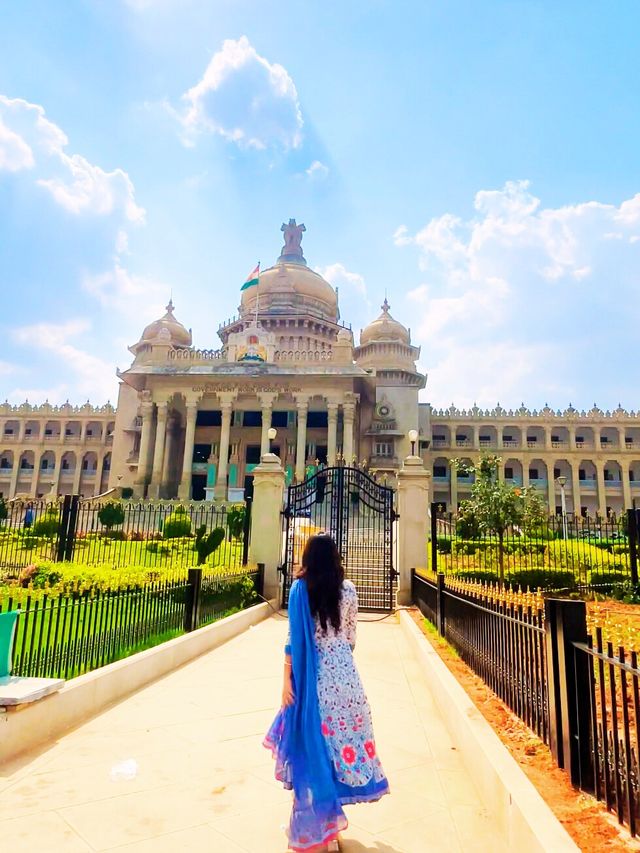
(562, 552)
(499, 634)
(119, 533)
(74, 633)
(580, 694)
(608, 720)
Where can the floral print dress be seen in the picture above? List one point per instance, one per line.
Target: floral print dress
(344, 710)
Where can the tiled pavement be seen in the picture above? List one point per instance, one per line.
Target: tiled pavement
(179, 765)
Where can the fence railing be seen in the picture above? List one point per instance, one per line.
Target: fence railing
(561, 552)
(500, 635)
(65, 636)
(609, 718)
(577, 691)
(144, 533)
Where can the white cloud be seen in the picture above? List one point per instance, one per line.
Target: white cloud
(6, 369)
(519, 300)
(338, 275)
(245, 99)
(135, 296)
(317, 171)
(15, 154)
(28, 140)
(92, 375)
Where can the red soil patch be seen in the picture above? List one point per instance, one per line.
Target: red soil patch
(586, 820)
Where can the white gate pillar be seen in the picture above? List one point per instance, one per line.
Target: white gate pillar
(266, 520)
(413, 505)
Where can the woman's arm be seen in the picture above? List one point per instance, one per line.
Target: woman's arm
(287, 683)
(351, 619)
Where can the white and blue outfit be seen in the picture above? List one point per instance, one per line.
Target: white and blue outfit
(324, 744)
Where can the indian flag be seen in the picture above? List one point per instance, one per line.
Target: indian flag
(252, 278)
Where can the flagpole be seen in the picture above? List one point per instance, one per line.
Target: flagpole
(257, 294)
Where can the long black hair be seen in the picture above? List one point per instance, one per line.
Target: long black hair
(325, 574)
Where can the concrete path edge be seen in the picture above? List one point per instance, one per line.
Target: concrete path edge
(26, 727)
(525, 820)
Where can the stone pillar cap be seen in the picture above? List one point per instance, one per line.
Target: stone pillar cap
(269, 462)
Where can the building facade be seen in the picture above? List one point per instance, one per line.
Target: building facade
(193, 422)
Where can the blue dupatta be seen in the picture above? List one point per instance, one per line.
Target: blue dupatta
(297, 743)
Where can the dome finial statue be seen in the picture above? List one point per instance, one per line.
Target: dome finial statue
(292, 250)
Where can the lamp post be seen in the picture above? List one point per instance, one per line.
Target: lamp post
(271, 435)
(561, 480)
(413, 437)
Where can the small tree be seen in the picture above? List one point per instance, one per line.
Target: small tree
(495, 506)
(110, 515)
(206, 543)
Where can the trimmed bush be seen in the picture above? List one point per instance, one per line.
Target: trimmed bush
(542, 579)
(235, 521)
(444, 544)
(48, 524)
(477, 575)
(606, 579)
(177, 523)
(111, 515)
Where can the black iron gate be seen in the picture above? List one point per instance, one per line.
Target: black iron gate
(359, 513)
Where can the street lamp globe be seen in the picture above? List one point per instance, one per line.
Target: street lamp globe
(413, 437)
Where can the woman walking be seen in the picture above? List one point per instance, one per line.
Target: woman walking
(322, 737)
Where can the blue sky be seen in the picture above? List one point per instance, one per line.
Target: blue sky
(477, 161)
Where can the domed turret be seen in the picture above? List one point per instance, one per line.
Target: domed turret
(385, 328)
(166, 330)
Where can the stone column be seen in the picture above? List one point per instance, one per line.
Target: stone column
(226, 406)
(626, 485)
(36, 473)
(158, 452)
(551, 488)
(602, 495)
(301, 443)
(266, 404)
(575, 488)
(500, 471)
(524, 462)
(184, 490)
(55, 485)
(413, 521)
(332, 431)
(142, 476)
(475, 436)
(266, 521)
(572, 437)
(547, 438)
(77, 474)
(349, 413)
(15, 471)
(453, 474)
(500, 433)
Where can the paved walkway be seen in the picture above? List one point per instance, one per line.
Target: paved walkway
(179, 766)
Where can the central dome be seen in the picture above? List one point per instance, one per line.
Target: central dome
(290, 287)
